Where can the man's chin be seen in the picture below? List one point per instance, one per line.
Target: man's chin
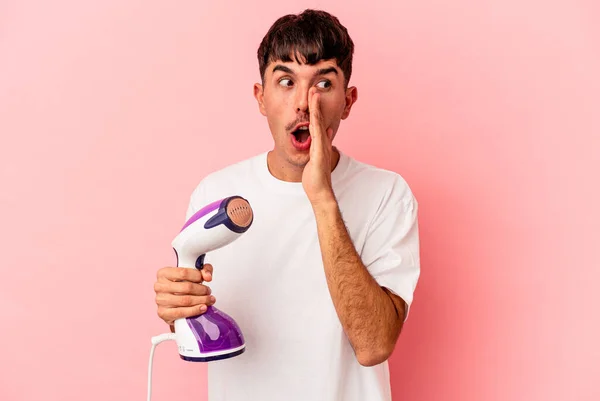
(292, 157)
(299, 160)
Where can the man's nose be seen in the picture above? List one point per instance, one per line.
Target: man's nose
(302, 100)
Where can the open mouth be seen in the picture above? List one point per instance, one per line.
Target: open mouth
(301, 134)
(300, 137)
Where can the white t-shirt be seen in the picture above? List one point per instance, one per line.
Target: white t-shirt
(271, 280)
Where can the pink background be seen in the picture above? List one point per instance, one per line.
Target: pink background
(112, 111)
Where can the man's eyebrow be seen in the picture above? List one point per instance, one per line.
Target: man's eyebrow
(322, 71)
(283, 68)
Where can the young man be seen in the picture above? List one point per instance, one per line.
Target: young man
(321, 283)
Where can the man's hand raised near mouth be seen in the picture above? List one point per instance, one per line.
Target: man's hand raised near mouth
(316, 178)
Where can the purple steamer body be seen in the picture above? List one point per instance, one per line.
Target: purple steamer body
(214, 330)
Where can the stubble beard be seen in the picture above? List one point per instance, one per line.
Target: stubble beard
(294, 160)
(299, 161)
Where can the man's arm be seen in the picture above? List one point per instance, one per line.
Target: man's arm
(371, 315)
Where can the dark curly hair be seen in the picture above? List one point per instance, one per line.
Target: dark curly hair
(311, 36)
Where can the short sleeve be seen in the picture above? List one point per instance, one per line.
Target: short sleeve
(391, 250)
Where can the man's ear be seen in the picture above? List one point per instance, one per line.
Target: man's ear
(351, 97)
(259, 96)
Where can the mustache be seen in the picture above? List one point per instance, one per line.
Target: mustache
(304, 119)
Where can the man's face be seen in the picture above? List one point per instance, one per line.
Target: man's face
(283, 99)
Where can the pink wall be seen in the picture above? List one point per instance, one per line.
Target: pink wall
(111, 111)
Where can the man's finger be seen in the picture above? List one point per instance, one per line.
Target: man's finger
(169, 315)
(207, 268)
(315, 118)
(313, 106)
(181, 287)
(181, 274)
(171, 301)
(207, 271)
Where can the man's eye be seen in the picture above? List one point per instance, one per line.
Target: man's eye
(285, 82)
(324, 84)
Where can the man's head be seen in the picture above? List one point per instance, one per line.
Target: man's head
(300, 52)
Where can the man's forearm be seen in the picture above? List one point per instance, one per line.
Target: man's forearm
(370, 318)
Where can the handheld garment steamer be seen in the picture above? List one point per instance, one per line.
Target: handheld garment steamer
(212, 335)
